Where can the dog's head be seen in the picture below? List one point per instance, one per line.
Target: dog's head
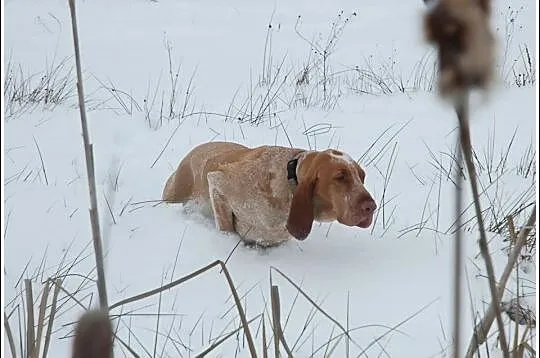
(330, 187)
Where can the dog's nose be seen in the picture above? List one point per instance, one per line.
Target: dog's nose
(368, 206)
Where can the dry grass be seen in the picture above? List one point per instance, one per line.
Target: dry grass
(25, 92)
(315, 84)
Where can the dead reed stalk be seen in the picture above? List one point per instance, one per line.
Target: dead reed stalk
(276, 318)
(461, 31)
(458, 255)
(89, 156)
(30, 337)
(465, 139)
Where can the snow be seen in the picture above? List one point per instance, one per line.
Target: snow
(388, 272)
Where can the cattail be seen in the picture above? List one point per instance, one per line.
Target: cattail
(93, 336)
(461, 31)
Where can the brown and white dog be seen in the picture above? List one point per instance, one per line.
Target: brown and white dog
(268, 194)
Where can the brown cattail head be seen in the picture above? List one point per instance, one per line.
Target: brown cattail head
(93, 336)
(461, 31)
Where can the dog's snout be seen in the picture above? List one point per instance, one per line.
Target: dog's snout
(368, 206)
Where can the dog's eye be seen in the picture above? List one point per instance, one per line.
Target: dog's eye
(340, 176)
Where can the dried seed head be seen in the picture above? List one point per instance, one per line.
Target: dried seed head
(461, 31)
(518, 312)
(93, 336)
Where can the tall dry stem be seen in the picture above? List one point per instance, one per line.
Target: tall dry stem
(89, 156)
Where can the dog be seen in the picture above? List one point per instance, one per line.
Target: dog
(269, 194)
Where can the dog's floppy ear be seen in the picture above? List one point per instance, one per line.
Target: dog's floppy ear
(301, 213)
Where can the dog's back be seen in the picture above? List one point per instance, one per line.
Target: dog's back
(189, 179)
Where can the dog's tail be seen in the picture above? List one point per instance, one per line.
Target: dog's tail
(179, 186)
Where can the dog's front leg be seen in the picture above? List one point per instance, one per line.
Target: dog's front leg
(223, 214)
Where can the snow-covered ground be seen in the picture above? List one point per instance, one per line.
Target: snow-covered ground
(391, 285)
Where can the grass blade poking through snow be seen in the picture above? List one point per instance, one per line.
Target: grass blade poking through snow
(188, 277)
(340, 326)
(89, 155)
(394, 328)
(223, 339)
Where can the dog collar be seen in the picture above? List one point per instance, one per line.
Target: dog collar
(291, 171)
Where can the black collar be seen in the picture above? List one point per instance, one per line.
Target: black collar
(291, 171)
